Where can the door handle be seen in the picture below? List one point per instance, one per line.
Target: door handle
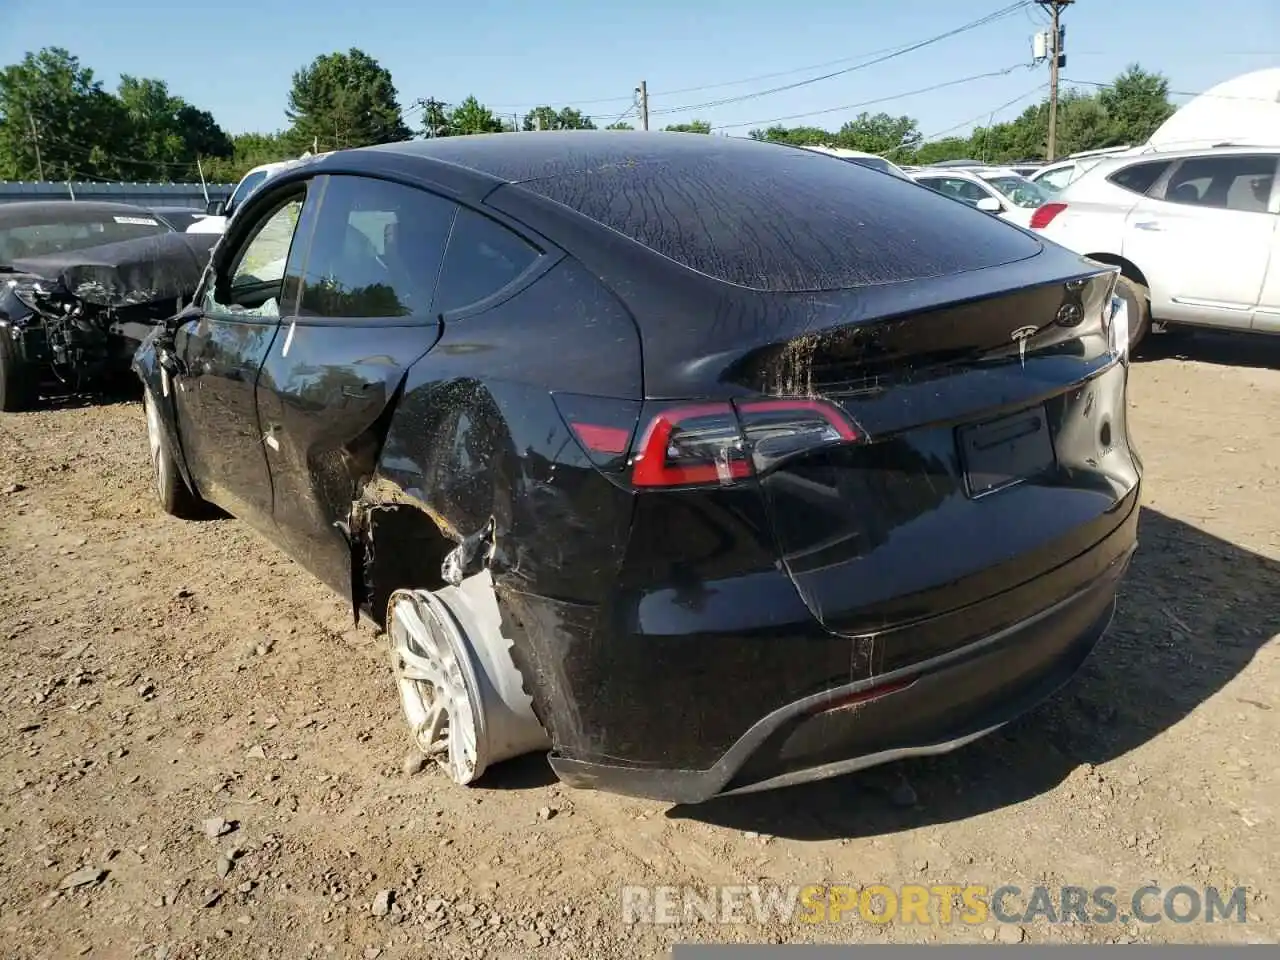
(1152, 226)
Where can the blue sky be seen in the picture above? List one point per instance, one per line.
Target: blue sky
(514, 55)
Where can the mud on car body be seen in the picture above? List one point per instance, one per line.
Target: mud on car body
(81, 284)
(706, 465)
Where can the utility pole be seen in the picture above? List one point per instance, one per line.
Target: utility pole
(1056, 60)
(35, 140)
(642, 92)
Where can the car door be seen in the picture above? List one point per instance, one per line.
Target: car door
(1203, 238)
(220, 353)
(364, 315)
(1266, 319)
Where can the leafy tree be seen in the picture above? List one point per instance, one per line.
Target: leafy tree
(620, 125)
(249, 150)
(472, 116)
(49, 100)
(343, 100)
(796, 136)
(165, 130)
(548, 118)
(695, 126)
(879, 133)
(1135, 105)
(935, 151)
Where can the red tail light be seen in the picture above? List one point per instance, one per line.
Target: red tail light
(716, 444)
(1044, 215)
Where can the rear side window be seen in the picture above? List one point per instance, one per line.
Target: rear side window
(1237, 182)
(958, 188)
(376, 250)
(773, 218)
(1140, 177)
(483, 257)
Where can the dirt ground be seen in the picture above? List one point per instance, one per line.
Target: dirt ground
(159, 675)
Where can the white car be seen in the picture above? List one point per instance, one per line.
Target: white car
(1055, 176)
(220, 211)
(997, 190)
(866, 159)
(1196, 234)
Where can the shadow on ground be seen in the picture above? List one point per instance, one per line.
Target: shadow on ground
(1210, 346)
(1193, 611)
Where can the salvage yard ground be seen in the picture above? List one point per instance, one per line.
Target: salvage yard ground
(201, 757)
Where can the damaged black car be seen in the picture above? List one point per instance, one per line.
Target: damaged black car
(81, 285)
(704, 465)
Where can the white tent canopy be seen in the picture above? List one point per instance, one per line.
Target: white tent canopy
(1243, 110)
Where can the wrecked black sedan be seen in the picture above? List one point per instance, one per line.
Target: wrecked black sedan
(81, 284)
(704, 465)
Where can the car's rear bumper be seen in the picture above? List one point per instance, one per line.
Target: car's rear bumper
(933, 706)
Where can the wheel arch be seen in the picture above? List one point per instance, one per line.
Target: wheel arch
(146, 365)
(1128, 268)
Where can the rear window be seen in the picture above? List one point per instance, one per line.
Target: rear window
(777, 219)
(76, 231)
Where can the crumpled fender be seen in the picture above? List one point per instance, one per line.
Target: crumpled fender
(146, 364)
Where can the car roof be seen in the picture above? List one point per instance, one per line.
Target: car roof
(38, 211)
(745, 212)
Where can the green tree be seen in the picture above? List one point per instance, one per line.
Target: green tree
(935, 151)
(879, 133)
(472, 116)
(49, 100)
(620, 125)
(694, 126)
(796, 136)
(548, 118)
(1135, 104)
(249, 150)
(165, 132)
(343, 100)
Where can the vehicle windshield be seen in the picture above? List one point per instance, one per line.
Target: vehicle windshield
(74, 230)
(1020, 191)
(247, 186)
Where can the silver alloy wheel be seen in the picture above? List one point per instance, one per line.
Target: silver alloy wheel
(437, 682)
(154, 441)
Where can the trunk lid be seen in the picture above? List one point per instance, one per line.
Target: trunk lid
(993, 448)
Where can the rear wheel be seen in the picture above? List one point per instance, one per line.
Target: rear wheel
(176, 498)
(1138, 299)
(17, 386)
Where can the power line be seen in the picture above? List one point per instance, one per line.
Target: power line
(1175, 93)
(866, 103)
(901, 51)
(879, 56)
(989, 115)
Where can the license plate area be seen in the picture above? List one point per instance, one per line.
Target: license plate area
(1000, 453)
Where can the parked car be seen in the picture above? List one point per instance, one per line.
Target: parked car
(81, 284)
(1194, 234)
(635, 464)
(219, 211)
(1053, 177)
(871, 160)
(997, 190)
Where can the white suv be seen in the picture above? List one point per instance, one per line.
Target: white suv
(1194, 233)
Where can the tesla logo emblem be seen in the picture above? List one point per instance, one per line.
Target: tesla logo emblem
(1020, 337)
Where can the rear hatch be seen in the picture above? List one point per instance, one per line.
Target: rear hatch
(989, 446)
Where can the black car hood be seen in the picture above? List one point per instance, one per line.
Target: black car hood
(146, 270)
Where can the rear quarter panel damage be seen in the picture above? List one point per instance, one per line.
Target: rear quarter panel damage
(479, 463)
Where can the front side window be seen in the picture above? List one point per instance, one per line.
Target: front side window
(483, 257)
(257, 274)
(376, 250)
(1020, 191)
(1238, 182)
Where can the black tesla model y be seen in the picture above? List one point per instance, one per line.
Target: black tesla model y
(704, 465)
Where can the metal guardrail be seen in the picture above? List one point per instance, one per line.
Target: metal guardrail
(143, 194)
